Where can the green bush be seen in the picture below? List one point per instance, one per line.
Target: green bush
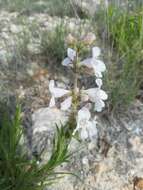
(53, 44)
(124, 36)
(17, 172)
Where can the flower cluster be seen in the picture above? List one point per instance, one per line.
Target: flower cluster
(85, 125)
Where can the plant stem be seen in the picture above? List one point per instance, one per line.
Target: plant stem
(75, 86)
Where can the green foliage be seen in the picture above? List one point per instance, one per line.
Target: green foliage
(17, 172)
(53, 44)
(125, 29)
(124, 34)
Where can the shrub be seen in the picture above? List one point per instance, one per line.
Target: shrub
(17, 172)
(53, 44)
(124, 34)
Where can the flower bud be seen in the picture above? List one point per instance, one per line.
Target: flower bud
(89, 39)
(70, 39)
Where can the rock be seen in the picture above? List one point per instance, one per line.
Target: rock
(44, 127)
(5, 57)
(62, 184)
(47, 118)
(14, 29)
(137, 144)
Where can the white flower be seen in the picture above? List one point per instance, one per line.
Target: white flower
(56, 92)
(101, 95)
(99, 100)
(93, 62)
(71, 54)
(96, 52)
(52, 102)
(66, 104)
(89, 94)
(69, 60)
(86, 128)
(99, 82)
(95, 95)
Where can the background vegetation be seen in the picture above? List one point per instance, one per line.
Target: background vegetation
(122, 37)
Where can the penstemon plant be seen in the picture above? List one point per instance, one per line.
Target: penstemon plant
(92, 98)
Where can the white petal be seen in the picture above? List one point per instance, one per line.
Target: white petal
(71, 54)
(87, 62)
(84, 97)
(65, 105)
(99, 105)
(59, 92)
(98, 67)
(51, 85)
(96, 52)
(92, 130)
(91, 92)
(83, 134)
(67, 62)
(52, 102)
(97, 73)
(84, 114)
(103, 95)
(99, 82)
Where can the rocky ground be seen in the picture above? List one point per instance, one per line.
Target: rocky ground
(112, 160)
(21, 52)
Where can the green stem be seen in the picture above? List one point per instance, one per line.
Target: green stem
(75, 87)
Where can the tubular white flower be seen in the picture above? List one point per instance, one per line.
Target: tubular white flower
(100, 96)
(71, 56)
(95, 95)
(99, 105)
(71, 53)
(97, 65)
(66, 104)
(96, 52)
(92, 130)
(67, 62)
(85, 127)
(52, 102)
(90, 93)
(56, 92)
(99, 82)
